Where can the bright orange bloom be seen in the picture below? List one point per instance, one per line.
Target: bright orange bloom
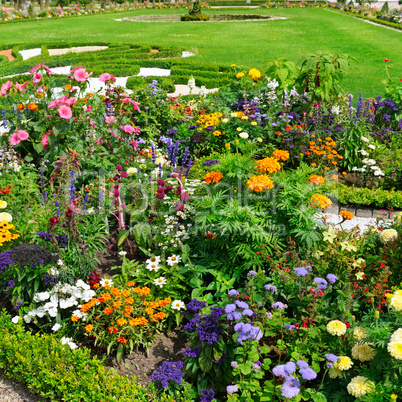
(278, 133)
(270, 165)
(106, 296)
(125, 293)
(113, 329)
(89, 328)
(75, 318)
(121, 321)
(108, 310)
(96, 285)
(21, 106)
(346, 215)
(121, 340)
(288, 128)
(138, 321)
(317, 179)
(313, 164)
(145, 291)
(281, 155)
(130, 284)
(33, 106)
(213, 177)
(320, 201)
(67, 87)
(115, 291)
(334, 177)
(158, 316)
(129, 300)
(117, 304)
(260, 183)
(149, 311)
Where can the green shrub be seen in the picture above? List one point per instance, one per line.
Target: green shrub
(3, 59)
(136, 82)
(200, 17)
(58, 373)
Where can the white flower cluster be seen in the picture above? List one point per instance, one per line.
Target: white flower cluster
(8, 161)
(69, 342)
(369, 165)
(388, 235)
(61, 296)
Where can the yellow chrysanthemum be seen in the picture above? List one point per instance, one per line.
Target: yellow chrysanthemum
(280, 155)
(343, 363)
(239, 75)
(269, 165)
(260, 183)
(388, 235)
(336, 327)
(320, 201)
(335, 373)
(395, 349)
(359, 333)
(396, 301)
(363, 352)
(3, 204)
(315, 179)
(360, 386)
(5, 217)
(396, 336)
(254, 74)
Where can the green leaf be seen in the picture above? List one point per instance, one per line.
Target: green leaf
(142, 234)
(119, 353)
(205, 359)
(123, 235)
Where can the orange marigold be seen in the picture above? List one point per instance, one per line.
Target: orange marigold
(121, 321)
(117, 304)
(129, 300)
(89, 328)
(320, 201)
(106, 296)
(260, 183)
(280, 155)
(113, 330)
(149, 310)
(213, 177)
(75, 318)
(130, 284)
(108, 310)
(121, 339)
(142, 291)
(138, 321)
(125, 293)
(158, 316)
(33, 106)
(270, 165)
(346, 215)
(317, 179)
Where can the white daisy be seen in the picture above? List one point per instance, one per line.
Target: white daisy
(174, 259)
(106, 281)
(160, 281)
(153, 266)
(178, 305)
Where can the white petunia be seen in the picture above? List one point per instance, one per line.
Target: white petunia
(178, 305)
(243, 135)
(371, 146)
(15, 319)
(364, 139)
(27, 318)
(160, 281)
(56, 327)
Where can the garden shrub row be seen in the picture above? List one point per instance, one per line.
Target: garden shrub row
(58, 373)
(165, 82)
(388, 199)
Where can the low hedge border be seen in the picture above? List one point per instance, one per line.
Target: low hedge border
(58, 373)
(363, 17)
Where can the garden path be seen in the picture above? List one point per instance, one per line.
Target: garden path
(11, 391)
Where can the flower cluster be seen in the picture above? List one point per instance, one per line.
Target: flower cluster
(260, 183)
(388, 236)
(336, 327)
(213, 177)
(168, 371)
(363, 352)
(360, 386)
(5, 234)
(269, 165)
(346, 215)
(280, 155)
(315, 179)
(254, 74)
(326, 150)
(396, 301)
(248, 332)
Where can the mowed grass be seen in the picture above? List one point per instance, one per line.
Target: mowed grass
(251, 44)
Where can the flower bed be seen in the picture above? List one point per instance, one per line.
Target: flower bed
(207, 210)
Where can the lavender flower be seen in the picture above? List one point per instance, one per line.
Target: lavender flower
(247, 332)
(248, 313)
(210, 162)
(308, 374)
(207, 395)
(332, 278)
(251, 273)
(279, 305)
(235, 316)
(234, 365)
(270, 288)
(321, 281)
(168, 371)
(331, 357)
(11, 283)
(279, 371)
(289, 327)
(302, 364)
(191, 352)
(230, 308)
(290, 367)
(231, 389)
(256, 366)
(233, 292)
(290, 387)
(300, 271)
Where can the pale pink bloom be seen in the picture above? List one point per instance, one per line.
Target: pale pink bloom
(36, 78)
(81, 75)
(21, 87)
(6, 86)
(75, 69)
(128, 129)
(53, 104)
(39, 67)
(65, 112)
(126, 100)
(14, 139)
(106, 77)
(65, 100)
(110, 120)
(136, 106)
(22, 135)
(39, 90)
(48, 116)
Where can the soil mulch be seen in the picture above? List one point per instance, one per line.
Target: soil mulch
(8, 54)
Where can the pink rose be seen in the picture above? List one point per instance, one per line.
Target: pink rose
(65, 112)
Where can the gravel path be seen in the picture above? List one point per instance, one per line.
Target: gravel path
(11, 391)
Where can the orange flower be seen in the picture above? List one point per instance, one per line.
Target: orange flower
(270, 165)
(117, 304)
(158, 316)
(125, 293)
(280, 155)
(326, 168)
(313, 164)
(115, 291)
(21, 106)
(344, 173)
(75, 318)
(89, 328)
(317, 179)
(113, 330)
(346, 215)
(33, 106)
(121, 321)
(130, 284)
(288, 128)
(129, 300)
(106, 296)
(121, 340)
(142, 291)
(320, 201)
(213, 177)
(108, 310)
(334, 177)
(278, 133)
(90, 95)
(260, 183)
(67, 87)
(96, 285)
(138, 321)
(149, 310)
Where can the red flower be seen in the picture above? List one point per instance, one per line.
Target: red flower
(53, 221)
(386, 60)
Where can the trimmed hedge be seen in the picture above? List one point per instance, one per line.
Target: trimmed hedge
(165, 82)
(58, 373)
(200, 17)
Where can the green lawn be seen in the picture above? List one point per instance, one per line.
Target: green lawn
(249, 43)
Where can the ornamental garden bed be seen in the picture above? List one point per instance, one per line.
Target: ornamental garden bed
(178, 238)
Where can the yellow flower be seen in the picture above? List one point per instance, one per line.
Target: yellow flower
(259, 183)
(3, 204)
(360, 386)
(336, 327)
(359, 263)
(343, 363)
(217, 133)
(346, 215)
(335, 373)
(239, 75)
(227, 145)
(396, 301)
(259, 139)
(363, 352)
(388, 235)
(239, 129)
(359, 333)
(233, 65)
(253, 123)
(254, 74)
(330, 234)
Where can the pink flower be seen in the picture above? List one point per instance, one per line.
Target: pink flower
(126, 100)
(65, 100)
(91, 123)
(88, 109)
(128, 129)
(81, 75)
(21, 87)
(37, 67)
(106, 77)
(65, 112)
(22, 135)
(36, 78)
(48, 116)
(75, 69)
(110, 120)
(6, 86)
(53, 104)
(136, 106)
(14, 140)
(45, 141)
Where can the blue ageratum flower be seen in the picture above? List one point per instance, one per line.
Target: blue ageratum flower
(168, 371)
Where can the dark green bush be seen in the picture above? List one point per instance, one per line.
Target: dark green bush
(200, 17)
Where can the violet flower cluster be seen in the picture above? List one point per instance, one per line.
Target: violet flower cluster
(248, 332)
(168, 371)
